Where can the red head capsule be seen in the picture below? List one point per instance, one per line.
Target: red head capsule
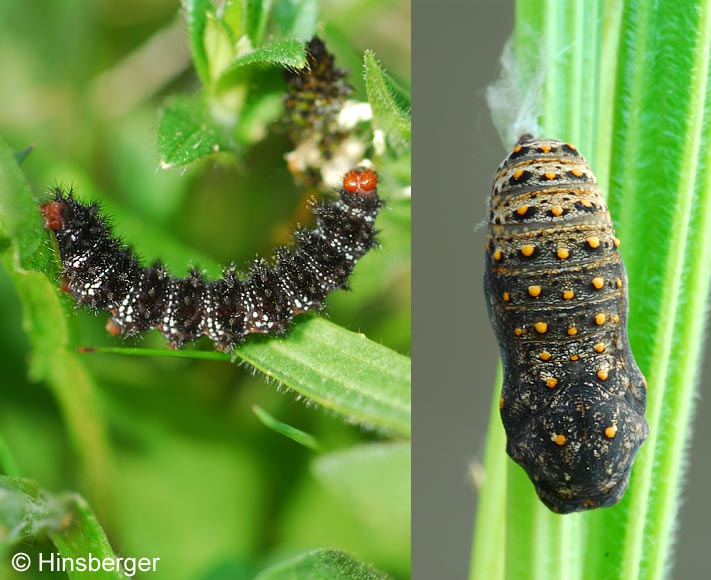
(52, 214)
(360, 180)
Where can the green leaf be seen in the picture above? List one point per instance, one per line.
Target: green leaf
(390, 104)
(196, 12)
(292, 433)
(188, 132)
(45, 324)
(256, 19)
(258, 115)
(20, 220)
(25, 512)
(219, 46)
(288, 53)
(372, 481)
(232, 15)
(322, 565)
(85, 536)
(29, 513)
(340, 370)
(296, 18)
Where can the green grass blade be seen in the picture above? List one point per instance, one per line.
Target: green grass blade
(668, 98)
(487, 554)
(301, 437)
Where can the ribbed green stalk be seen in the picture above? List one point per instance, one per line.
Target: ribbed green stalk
(487, 549)
(629, 83)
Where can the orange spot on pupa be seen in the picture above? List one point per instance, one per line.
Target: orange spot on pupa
(602, 374)
(550, 175)
(518, 331)
(599, 347)
(517, 148)
(586, 203)
(618, 283)
(616, 241)
(598, 282)
(577, 172)
(593, 242)
(496, 255)
(501, 403)
(541, 327)
(506, 296)
(528, 249)
(545, 355)
(574, 357)
(600, 319)
(551, 382)
(546, 148)
(563, 253)
(615, 318)
(572, 331)
(557, 211)
(518, 173)
(522, 209)
(559, 439)
(534, 291)
(611, 431)
(568, 295)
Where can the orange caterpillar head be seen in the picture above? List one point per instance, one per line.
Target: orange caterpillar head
(360, 180)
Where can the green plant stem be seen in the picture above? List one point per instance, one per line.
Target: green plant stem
(490, 525)
(647, 133)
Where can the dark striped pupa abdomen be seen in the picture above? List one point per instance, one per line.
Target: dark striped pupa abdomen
(573, 399)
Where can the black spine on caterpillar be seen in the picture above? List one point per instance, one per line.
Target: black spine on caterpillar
(573, 398)
(101, 272)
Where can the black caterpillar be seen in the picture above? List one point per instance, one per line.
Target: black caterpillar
(324, 144)
(573, 399)
(315, 97)
(101, 272)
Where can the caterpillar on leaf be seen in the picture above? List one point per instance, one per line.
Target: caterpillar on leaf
(103, 273)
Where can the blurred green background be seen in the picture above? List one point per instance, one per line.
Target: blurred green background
(193, 476)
